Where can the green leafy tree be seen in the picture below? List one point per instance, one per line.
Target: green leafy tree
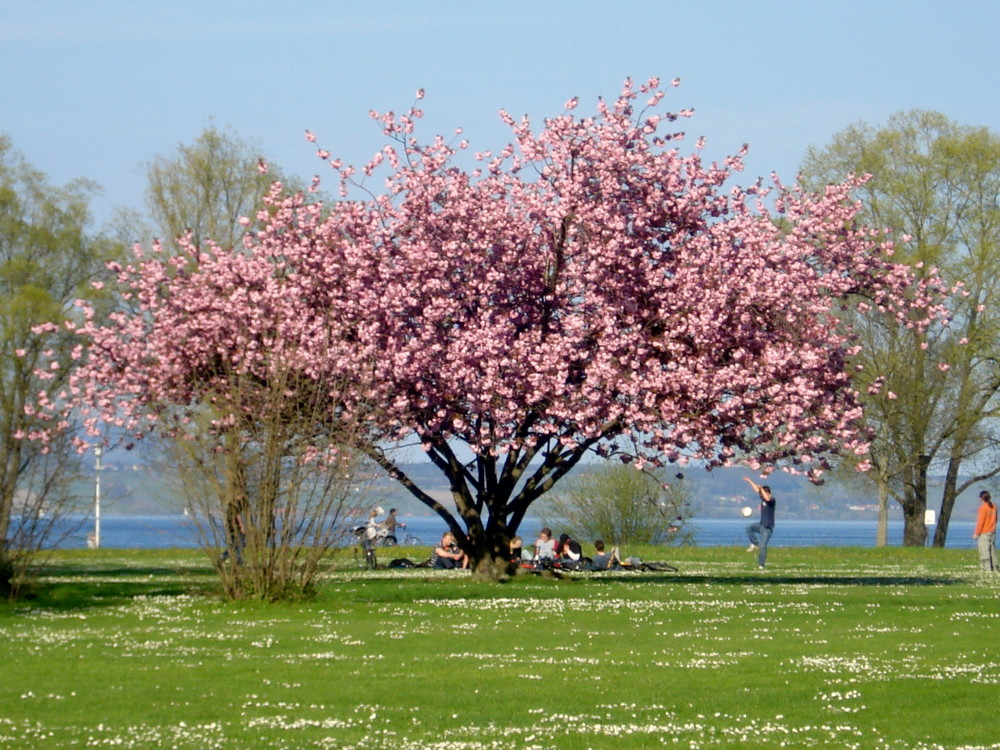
(207, 187)
(615, 502)
(931, 403)
(47, 260)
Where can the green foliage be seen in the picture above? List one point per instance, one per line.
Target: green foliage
(932, 406)
(48, 259)
(207, 186)
(615, 502)
(831, 648)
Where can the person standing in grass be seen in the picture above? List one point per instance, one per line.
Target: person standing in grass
(389, 524)
(986, 532)
(760, 533)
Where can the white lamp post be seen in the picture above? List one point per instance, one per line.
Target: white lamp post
(97, 497)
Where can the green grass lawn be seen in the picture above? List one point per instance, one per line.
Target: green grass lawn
(890, 648)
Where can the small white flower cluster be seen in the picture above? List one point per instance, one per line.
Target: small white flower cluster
(837, 701)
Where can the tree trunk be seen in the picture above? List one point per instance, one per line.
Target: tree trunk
(492, 568)
(6, 563)
(882, 534)
(915, 506)
(489, 551)
(948, 498)
(914, 528)
(944, 517)
(8, 482)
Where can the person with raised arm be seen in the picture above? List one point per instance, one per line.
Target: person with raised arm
(760, 532)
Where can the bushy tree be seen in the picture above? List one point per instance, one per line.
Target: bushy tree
(586, 288)
(207, 348)
(269, 488)
(931, 401)
(47, 259)
(206, 187)
(614, 502)
(273, 514)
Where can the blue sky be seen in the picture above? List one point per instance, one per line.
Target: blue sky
(96, 89)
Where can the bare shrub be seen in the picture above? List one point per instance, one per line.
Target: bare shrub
(270, 484)
(45, 508)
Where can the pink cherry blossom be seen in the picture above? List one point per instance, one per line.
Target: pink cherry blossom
(590, 290)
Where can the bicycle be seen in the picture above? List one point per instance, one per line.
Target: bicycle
(364, 551)
(409, 540)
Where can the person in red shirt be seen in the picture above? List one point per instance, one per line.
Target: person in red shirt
(986, 532)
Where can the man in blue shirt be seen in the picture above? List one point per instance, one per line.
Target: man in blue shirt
(760, 532)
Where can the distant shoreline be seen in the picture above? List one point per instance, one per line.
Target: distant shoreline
(136, 531)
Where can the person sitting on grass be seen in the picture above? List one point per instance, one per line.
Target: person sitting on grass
(603, 560)
(516, 549)
(447, 555)
(569, 549)
(545, 546)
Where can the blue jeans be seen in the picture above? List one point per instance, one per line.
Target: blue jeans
(760, 536)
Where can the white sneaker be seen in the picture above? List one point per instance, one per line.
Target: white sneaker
(752, 548)
(760, 567)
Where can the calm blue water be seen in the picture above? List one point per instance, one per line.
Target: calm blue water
(159, 532)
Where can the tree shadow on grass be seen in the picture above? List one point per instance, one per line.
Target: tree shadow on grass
(763, 578)
(72, 587)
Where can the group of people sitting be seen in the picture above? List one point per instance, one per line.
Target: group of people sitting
(564, 552)
(548, 552)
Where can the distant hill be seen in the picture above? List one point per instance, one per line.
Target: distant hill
(716, 494)
(134, 488)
